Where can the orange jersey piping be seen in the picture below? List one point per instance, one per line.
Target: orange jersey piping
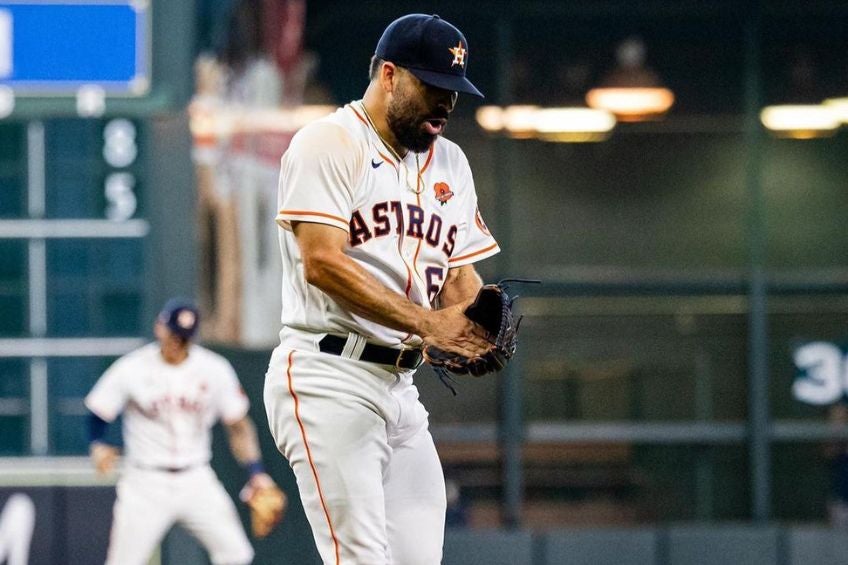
(427, 162)
(308, 213)
(461, 257)
(370, 127)
(420, 241)
(309, 457)
(388, 159)
(361, 119)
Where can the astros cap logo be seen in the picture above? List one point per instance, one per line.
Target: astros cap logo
(186, 319)
(458, 54)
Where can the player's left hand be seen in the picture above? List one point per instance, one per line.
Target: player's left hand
(267, 503)
(104, 457)
(492, 310)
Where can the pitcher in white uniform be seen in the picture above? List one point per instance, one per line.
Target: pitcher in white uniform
(171, 393)
(379, 233)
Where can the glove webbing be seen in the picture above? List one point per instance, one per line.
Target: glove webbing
(443, 373)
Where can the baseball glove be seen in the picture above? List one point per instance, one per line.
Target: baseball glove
(267, 503)
(492, 309)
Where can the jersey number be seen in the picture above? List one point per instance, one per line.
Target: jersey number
(435, 278)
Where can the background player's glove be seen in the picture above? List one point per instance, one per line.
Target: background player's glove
(492, 309)
(104, 457)
(267, 503)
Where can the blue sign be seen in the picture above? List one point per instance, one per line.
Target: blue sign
(56, 47)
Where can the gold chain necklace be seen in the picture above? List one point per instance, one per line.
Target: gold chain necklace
(419, 185)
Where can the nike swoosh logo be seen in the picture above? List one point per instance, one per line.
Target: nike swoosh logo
(376, 164)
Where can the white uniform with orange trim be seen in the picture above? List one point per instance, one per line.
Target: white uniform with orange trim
(168, 413)
(355, 432)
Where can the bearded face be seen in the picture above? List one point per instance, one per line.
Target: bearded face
(417, 114)
(406, 118)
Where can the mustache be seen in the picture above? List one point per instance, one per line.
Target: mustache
(438, 114)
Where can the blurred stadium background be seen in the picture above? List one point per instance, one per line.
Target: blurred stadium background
(658, 412)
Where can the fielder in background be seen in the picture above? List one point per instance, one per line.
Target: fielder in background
(171, 393)
(380, 230)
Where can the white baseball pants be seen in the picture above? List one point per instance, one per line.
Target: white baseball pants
(150, 502)
(356, 437)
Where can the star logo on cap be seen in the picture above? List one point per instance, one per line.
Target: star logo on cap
(458, 53)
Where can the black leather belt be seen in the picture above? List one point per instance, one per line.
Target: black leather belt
(373, 353)
(164, 469)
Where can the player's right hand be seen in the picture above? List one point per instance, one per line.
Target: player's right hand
(451, 330)
(104, 457)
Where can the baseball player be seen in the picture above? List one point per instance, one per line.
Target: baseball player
(171, 393)
(379, 233)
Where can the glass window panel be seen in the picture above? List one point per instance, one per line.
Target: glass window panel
(75, 168)
(13, 287)
(102, 262)
(13, 168)
(68, 431)
(807, 204)
(73, 377)
(120, 314)
(68, 138)
(606, 484)
(14, 405)
(634, 358)
(119, 260)
(95, 287)
(476, 400)
(650, 201)
(12, 320)
(75, 194)
(12, 196)
(13, 262)
(14, 378)
(692, 482)
(13, 435)
(70, 380)
(68, 259)
(806, 477)
(69, 313)
(12, 142)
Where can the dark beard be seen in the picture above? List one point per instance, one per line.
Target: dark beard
(403, 120)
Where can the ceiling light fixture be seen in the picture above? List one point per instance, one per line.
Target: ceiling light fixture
(806, 121)
(839, 107)
(564, 124)
(632, 91)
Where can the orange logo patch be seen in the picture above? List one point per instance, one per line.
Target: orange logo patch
(443, 192)
(478, 219)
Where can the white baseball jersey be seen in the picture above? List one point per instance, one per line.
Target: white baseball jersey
(168, 409)
(408, 222)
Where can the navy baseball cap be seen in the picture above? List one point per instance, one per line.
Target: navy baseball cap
(430, 48)
(180, 316)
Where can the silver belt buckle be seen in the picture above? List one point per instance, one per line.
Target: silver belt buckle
(404, 348)
(399, 357)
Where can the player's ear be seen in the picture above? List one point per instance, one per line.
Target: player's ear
(389, 75)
